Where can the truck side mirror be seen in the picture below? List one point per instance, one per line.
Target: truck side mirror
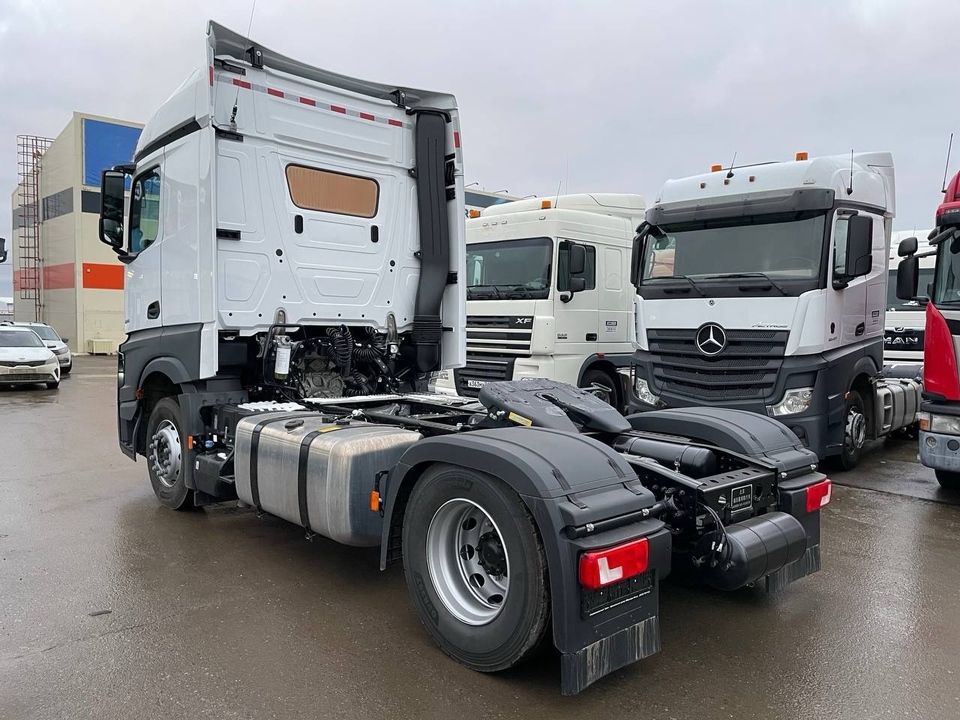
(908, 277)
(578, 284)
(578, 260)
(111, 209)
(3, 250)
(636, 258)
(908, 246)
(859, 258)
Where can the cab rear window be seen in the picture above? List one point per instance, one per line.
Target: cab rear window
(332, 192)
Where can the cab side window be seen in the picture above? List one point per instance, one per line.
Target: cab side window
(589, 268)
(145, 211)
(840, 246)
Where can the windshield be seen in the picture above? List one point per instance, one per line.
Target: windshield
(895, 304)
(509, 269)
(19, 339)
(947, 288)
(45, 332)
(781, 247)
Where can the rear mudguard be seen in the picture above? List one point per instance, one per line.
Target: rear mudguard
(565, 480)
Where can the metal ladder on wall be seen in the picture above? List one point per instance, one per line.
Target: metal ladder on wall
(28, 266)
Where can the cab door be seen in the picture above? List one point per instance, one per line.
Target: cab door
(575, 309)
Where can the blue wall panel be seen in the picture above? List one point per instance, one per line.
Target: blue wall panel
(105, 145)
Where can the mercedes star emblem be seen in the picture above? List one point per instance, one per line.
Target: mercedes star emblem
(711, 339)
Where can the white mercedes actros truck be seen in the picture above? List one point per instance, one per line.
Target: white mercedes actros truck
(548, 294)
(763, 288)
(295, 272)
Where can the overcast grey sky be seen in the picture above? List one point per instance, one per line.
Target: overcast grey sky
(602, 95)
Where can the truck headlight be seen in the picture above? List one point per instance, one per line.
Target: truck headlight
(946, 424)
(794, 401)
(435, 377)
(643, 392)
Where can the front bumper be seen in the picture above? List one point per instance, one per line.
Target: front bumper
(940, 451)
(65, 360)
(29, 375)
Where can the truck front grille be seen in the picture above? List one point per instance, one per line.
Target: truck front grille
(503, 335)
(481, 369)
(745, 369)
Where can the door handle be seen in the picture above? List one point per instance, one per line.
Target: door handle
(153, 310)
(861, 328)
(591, 337)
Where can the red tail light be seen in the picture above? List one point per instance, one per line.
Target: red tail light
(819, 495)
(939, 358)
(606, 567)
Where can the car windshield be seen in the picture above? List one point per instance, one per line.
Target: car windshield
(509, 269)
(45, 332)
(895, 304)
(781, 246)
(19, 338)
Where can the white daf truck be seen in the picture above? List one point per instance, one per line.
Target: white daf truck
(296, 271)
(904, 322)
(763, 288)
(548, 294)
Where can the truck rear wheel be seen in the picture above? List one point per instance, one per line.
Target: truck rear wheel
(948, 480)
(854, 431)
(476, 568)
(165, 455)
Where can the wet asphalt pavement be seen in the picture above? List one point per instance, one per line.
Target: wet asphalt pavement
(113, 607)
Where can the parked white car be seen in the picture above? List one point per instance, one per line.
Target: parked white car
(53, 341)
(25, 360)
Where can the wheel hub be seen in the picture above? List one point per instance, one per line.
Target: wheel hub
(165, 455)
(468, 561)
(856, 434)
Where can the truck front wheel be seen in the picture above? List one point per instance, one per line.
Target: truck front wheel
(603, 386)
(475, 567)
(854, 431)
(948, 480)
(165, 455)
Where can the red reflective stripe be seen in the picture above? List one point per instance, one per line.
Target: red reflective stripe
(211, 76)
(456, 139)
(366, 116)
(337, 108)
(58, 277)
(308, 101)
(275, 93)
(241, 83)
(395, 123)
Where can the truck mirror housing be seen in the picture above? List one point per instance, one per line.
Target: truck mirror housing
(859, 258)
(635, 260)
(111, 208)
(578, 260)
(3, 250)
(908, 277)
(578, 284)
(908, 246)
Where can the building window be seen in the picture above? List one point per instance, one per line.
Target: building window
(145, 211)
(331, 192)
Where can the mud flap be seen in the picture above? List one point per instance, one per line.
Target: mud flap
(584, 667)
(808, 564)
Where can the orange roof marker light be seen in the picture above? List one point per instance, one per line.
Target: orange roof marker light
(716, 168)
(474, 213)
(545, 204)
(801, 156)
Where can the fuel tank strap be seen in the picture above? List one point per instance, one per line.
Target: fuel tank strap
(255, 459)
(302, 462)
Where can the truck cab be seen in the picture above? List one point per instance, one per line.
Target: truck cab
(904, 321)
(548, 293)
(763, 288)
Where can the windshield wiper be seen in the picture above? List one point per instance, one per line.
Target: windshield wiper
(518, 290)
(764, 276)
(495, 292)
(694, 285)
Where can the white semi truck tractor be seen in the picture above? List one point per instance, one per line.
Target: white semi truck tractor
(763, 288)
(294, 251)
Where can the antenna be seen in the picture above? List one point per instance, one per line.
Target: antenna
(730, 171)
(236, 100)
(946, 167)
(559, 185)
(850, 186)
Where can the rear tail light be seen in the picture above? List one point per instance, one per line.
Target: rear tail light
(939, 359)
(606, 567)
(819, 495)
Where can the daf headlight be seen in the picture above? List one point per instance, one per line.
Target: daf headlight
(794, 401)
(643, 392)
(946, 424)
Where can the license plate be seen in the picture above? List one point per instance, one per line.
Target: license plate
(475, 384)
(741, 497)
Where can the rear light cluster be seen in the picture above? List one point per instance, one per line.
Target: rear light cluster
(601, 568)
(819, 495)
(939, 358)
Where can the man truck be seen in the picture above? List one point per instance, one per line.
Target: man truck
(939, 414)
(530, 313)
(904, 321)
(295, 274)
(774, 299)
